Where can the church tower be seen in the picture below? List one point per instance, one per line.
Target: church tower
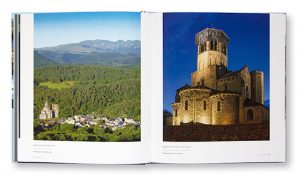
(46, 104)
(257, 84)
(55, 111)
(212, 57)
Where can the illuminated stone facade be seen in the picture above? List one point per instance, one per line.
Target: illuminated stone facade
(218, 96)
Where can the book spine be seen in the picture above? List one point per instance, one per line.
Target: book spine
(15, 84)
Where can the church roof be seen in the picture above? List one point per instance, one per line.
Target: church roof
(212, 91)
(212, 29)
(186, 86)
(201, 87)
(216, 92)
(230, 73)
(250, 102)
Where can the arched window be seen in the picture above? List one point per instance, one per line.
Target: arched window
(204, 105)
(186, 105)
(53, 114)
(250, 115)
(209, 45)
(202, 48)
(202, 82)
(218, 106)
(224, 50)
(175, 112)
(215, 45)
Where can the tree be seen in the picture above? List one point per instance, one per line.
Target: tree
(66, 127)
(82, 137)
(98, 130)
(37, 127)
(82, 130)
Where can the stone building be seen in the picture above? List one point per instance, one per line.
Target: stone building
(48, 113)
(218, 96)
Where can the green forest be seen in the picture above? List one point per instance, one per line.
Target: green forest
(110, 91)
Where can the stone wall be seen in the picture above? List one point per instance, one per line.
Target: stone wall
(201, 132)
(194, 111)
(259, 114)
(246, 82)
(202, 107)
(208, 63)
(211, 58)
(206, 77)
(257, 81)
(176, 113)
(193, 97)
(227, 113)
(233, 83)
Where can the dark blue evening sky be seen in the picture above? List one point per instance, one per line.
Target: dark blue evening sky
(249, 44)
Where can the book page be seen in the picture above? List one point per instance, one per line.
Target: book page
(84, 95)
(218, 88)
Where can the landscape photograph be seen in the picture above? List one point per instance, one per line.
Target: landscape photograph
(87, 77)
(216, 77)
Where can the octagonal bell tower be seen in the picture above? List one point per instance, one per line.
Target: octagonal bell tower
(212, 57)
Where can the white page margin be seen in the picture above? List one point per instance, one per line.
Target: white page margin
(72, 151)
(223, 152)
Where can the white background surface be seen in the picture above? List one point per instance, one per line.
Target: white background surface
(289, 169)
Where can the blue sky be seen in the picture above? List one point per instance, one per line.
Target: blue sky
(249, 44)
(51, 29)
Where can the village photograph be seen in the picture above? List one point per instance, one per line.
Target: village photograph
(87, 77)
(216, 77)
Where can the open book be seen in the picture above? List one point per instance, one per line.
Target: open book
(138, 87)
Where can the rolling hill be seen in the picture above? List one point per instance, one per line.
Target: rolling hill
(40, 61)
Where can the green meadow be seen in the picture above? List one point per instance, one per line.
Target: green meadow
(59, 86)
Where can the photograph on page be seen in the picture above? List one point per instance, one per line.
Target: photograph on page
(216, 70)
(87, 77)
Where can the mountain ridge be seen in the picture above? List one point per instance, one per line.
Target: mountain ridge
(101, 52)
(88, 46)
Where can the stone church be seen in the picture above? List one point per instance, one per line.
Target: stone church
(48, 113)
(218, 96)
